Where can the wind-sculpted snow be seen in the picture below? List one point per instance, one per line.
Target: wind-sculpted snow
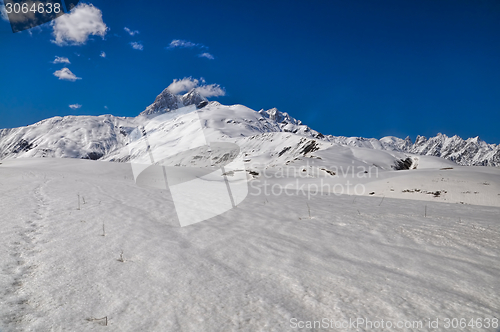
(272, 262)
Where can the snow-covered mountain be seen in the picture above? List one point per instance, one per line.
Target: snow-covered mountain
(271, 133)
(84, 137)
(470, 152)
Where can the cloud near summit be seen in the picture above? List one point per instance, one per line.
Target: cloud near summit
(189, 83)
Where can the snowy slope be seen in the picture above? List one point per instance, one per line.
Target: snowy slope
(272, 261)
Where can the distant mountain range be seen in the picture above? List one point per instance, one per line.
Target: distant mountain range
(106, 137)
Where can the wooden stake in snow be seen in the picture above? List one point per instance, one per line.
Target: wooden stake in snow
(381, 201)
(78, 201)
(121, 259)
(104, 318)
(103, 230)
(309, 209)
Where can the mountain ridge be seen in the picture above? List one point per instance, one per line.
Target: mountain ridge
(100, 137)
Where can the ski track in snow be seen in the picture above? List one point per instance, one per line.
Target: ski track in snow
(251, 269)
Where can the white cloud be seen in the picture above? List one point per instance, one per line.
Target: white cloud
(31, 30)
(189, 83)
(179, 43)
(130, 32)
(75, 106)
(103, 54)
(183, 85)
(3, 13)
(137, 46)
(182, 44)
(206, 55)
(211, 90)
(61, 59)
(106, 107)
(66, 75)
(76, 27)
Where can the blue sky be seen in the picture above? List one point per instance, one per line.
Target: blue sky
(351, 68)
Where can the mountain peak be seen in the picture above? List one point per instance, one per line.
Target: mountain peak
(475, 139)
(193, 97)
(279, 117)
(166, 101)
(420, 140)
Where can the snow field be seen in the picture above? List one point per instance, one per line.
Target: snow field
(253, 268)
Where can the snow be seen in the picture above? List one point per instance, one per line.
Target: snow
(67, 137)
(405, 257)
(164, 239)
(106, 137)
